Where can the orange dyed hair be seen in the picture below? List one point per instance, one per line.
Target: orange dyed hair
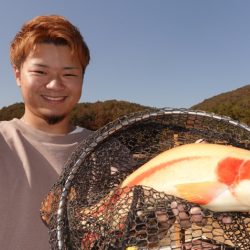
(48, 29)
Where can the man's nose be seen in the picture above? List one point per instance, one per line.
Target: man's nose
(55, 83)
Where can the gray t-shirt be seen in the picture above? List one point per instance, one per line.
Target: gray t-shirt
(30, 163)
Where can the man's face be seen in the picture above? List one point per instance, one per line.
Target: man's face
(50, 81)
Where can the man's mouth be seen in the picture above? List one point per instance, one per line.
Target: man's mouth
(54, 98)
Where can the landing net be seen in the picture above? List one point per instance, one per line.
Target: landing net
(86, 209)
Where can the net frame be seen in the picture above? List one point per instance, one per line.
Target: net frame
(122, 124)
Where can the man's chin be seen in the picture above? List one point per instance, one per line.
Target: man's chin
(53, 119)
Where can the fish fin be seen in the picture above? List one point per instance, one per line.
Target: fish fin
(200, 192)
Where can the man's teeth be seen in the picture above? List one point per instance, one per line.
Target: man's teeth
(53, 98)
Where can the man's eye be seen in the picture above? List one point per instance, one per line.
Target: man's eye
(39, 72)
(70, 75)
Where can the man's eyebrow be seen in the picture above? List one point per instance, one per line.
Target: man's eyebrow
(40, 65)
(46, 66)
(71, 67)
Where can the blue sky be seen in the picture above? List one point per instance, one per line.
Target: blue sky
(160, 53)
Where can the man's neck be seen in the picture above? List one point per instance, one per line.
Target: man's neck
(60, 128)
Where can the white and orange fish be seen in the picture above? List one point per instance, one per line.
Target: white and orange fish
(214, 176)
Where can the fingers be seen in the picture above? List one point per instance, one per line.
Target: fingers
(181, 215)
(194, 215)
(164, 219)
(197, 216)
(186, 218)
(225, 219)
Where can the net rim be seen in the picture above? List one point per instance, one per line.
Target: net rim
(103, 133)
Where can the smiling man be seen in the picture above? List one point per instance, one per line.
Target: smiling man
(49, 58)
(51, 82)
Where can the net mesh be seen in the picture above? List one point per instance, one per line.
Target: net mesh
(86, 209)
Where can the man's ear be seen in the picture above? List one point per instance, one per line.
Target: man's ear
(17, 74)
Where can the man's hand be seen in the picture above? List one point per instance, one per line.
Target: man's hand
(225, 219)
(194, 215)
(186, 218)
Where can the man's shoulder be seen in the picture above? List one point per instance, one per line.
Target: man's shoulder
(8, 129)
(8, 125)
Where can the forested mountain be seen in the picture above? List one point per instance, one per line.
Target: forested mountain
(235, 104)
(96, 115)
(9, 112)
(88, 115)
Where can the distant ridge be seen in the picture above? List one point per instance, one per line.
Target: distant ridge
(88, 115)
(235, 104)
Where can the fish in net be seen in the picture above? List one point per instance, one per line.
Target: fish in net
(88, 209)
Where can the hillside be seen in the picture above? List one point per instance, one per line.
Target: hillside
(88, 115)
(235, 104)
(96, 115)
